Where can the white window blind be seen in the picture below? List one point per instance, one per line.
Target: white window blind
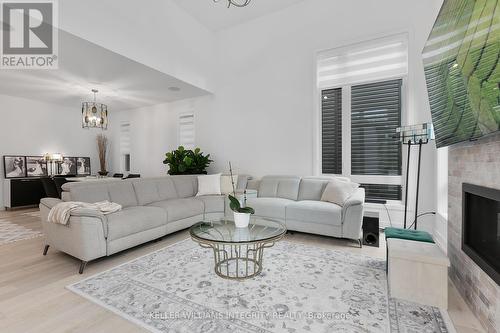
(375, 115)
(125, 146)
(186, 130)
(125, 137)
(363, 62)
(331, 129)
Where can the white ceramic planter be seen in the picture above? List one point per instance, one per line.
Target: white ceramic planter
(241, 220)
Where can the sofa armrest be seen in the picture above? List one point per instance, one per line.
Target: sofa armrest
(84, 237)
(48, 203)
(352, 215)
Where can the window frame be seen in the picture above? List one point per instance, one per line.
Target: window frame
(179, 130)
(346, 134)
(125, 152)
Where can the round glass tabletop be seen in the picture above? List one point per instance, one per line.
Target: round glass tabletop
(225, 231)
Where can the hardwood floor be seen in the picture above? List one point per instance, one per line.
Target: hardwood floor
(33, 298)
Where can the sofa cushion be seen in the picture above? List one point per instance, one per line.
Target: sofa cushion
(314, 212)
(178, 209)
(269, 207)
(122, 193)
(286, 187)
(209, 185)
(212, 203)
(132, 220)
(312, 189)
(338, 191)
(166, 188)
(88, 192)
(146, 191)
(186, 186)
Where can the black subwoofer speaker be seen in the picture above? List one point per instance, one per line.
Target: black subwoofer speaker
(371, 231)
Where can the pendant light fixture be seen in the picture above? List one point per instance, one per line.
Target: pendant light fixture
(237, 3)
(94, 115)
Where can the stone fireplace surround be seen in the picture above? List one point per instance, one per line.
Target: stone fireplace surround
(477, 163)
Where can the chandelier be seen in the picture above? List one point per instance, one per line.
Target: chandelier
(94, 115)
(237, 3)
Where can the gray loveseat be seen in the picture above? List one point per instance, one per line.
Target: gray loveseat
(152, 208)
(296, 201)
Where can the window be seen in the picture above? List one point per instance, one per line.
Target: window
(331, 120)
(375, 115)
(361, 89)
(125, 146)
(186, 130)
(126, 160)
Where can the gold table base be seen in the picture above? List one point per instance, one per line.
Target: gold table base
(238, 261)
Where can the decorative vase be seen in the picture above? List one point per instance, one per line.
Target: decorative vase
(241, 220)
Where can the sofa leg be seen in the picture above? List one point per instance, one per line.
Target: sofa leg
(45, 249)
(82, 266)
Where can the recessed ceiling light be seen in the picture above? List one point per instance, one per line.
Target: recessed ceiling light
(174, 89)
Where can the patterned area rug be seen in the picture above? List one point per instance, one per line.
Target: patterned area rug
(10, 232)
(301, 289)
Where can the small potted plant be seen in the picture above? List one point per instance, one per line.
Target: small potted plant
(240, 210)
(187, 162)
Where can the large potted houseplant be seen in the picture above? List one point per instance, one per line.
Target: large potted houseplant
(187, 162)
(241, 211)
(102, 148)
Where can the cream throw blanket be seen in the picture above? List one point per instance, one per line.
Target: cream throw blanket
(61, 212)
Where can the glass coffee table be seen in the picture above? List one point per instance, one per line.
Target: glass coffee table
(238, 252)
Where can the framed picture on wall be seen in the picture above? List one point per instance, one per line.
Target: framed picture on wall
(68, 166)
(36, 166)
(14, 166)
(83, 166)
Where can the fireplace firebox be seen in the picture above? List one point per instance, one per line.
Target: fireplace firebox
(481, 227)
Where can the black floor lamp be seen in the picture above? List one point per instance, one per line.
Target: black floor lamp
(414, 135)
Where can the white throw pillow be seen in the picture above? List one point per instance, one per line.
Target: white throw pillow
(225, 184)
(209, 185)
(338, 191)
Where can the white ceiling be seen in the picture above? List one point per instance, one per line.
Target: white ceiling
(122, 83)
(217, 16)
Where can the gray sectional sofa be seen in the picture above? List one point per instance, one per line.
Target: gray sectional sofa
(152, 208)
(296, 202)
(155, 207)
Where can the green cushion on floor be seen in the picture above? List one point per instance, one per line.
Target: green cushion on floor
(414, 235)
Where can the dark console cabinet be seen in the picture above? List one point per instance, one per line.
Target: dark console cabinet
(23, 192)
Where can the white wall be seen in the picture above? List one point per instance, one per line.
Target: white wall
(28, 127)
(441, 222)
(157, 33)
(262, 115)
(153, 132)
